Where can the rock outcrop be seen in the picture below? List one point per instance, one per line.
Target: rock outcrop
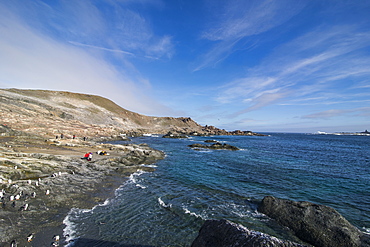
(319, 225)
(174, 135)
(223, 233)
(216, 145)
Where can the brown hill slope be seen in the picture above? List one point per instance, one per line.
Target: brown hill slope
(51, 113)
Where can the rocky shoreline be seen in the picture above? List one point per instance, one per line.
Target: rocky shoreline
(42, 180)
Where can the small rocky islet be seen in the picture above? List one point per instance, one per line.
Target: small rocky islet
(215, 146)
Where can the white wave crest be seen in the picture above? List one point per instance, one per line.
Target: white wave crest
(141, 186)
(187, 211)
(161, 202)
(152, 166)
(134, 176)
(70, 231)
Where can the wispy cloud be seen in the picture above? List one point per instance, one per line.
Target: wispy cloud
(112, 25)
(35, 57)
(263, 100)
(101, 48)
(326, 114)
(362, 111)
(238, 19)
(306, 67)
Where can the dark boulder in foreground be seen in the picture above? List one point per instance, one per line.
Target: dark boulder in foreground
(216, 145)
(223, 233)
(316, 224)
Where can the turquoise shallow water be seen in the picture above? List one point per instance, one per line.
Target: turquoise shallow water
(167, 207)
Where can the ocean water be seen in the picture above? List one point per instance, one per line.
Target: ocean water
(168, 206)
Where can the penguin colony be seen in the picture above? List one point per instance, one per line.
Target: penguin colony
(8, 198)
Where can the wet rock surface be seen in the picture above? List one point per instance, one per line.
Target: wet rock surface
(223, 233)
(316, 224)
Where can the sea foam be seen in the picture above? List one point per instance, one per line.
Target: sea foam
(161, 202)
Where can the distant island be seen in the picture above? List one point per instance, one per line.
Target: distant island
(364, 133)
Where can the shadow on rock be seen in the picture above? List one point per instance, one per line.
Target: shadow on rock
(223, 233)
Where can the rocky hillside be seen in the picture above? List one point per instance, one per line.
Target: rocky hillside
(51, 113)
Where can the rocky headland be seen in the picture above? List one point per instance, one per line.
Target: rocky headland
(51, 113)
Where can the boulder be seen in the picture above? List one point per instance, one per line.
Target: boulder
(223, 233)
(316, 224)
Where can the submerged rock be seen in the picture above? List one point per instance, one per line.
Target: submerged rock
(223, 233)
(316, 224)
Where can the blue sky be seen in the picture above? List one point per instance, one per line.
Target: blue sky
(263, 65)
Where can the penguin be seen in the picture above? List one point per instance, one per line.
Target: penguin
(17, 197)
(11, 198)
(13, 204)
(13, 243)
(30, 237)
(56, 238)
(47, 192)
(24, 207)
(54, 244)
(33, 194)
